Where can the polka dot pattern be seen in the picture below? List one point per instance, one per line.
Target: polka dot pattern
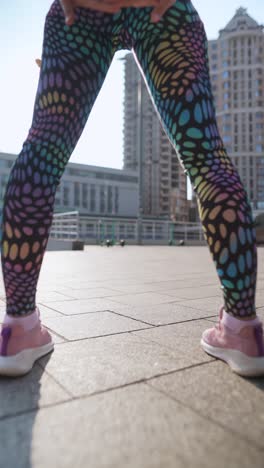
(173, 58)
(175, 64)
(73, 69)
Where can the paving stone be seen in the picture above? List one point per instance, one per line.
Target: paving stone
(97, 292)
(82, 306)
(61, 288)
(161, 314)
(260, 313)
(31, 391)
(52, 296)
(92, 324)
(181, 338)
(130, 427)
(208, 304)
(138, 426)
(56, 339)
(195, 292)
(260, 300)
(142, 299)
(159, 286)
(107, 362)
(127, 288)
(80, 284)
(47, 312)
(180, 284)
(212, 320)
(217, 393)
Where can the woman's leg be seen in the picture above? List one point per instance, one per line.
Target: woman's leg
(173, 57)
(74, 64)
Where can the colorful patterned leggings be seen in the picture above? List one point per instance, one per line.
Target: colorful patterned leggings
(173, 58)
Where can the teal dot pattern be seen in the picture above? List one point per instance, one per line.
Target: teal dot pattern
(172, 55)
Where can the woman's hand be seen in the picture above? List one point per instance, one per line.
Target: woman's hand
(160, 9)
(69, 6)
(107, 6)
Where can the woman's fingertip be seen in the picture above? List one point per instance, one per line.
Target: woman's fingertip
(69, 20)
(155, 17)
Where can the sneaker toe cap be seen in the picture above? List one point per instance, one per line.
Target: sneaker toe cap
(207, 335)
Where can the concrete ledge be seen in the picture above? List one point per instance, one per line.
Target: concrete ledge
(60, 244)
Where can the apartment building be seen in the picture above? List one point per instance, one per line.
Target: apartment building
(163, 184)
(236, 60)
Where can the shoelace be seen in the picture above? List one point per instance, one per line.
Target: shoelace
(218, 325)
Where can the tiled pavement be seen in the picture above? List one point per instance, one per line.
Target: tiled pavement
(128, 385)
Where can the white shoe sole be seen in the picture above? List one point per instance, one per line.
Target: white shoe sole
(240, 363)
(22, 363)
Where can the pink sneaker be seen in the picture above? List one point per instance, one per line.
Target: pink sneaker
(238, 343)
(20, 348)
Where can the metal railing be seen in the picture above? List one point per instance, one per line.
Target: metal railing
(65, 226)
(94, 230)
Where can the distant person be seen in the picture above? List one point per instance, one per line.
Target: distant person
(169, 43)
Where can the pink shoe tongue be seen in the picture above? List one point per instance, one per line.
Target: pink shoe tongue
(5, 334)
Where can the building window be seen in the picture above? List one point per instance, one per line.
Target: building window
(66, 194)
(109, 199)
(102, 199)
(77, 193)
(92, 199)
(85, 195)
(227, 139)
(116, 200)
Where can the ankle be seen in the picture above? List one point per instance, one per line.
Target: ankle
(28, 322)
(20, 316)
(236, 324)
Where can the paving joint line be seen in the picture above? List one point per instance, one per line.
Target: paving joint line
(43, 367)
(151, 327)
(108, 334)
(99, 392)
(57, 334)
(132, 318)
(35, 409)
(185, 321)
(209, 418)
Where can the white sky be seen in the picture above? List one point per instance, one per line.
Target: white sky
(21, 29)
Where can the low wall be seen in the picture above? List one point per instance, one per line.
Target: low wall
(60, 244)
(260, 235)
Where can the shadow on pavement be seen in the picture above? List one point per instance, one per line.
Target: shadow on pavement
(19, 402)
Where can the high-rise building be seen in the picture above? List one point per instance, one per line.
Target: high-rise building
(164, 184)
(237, 73)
